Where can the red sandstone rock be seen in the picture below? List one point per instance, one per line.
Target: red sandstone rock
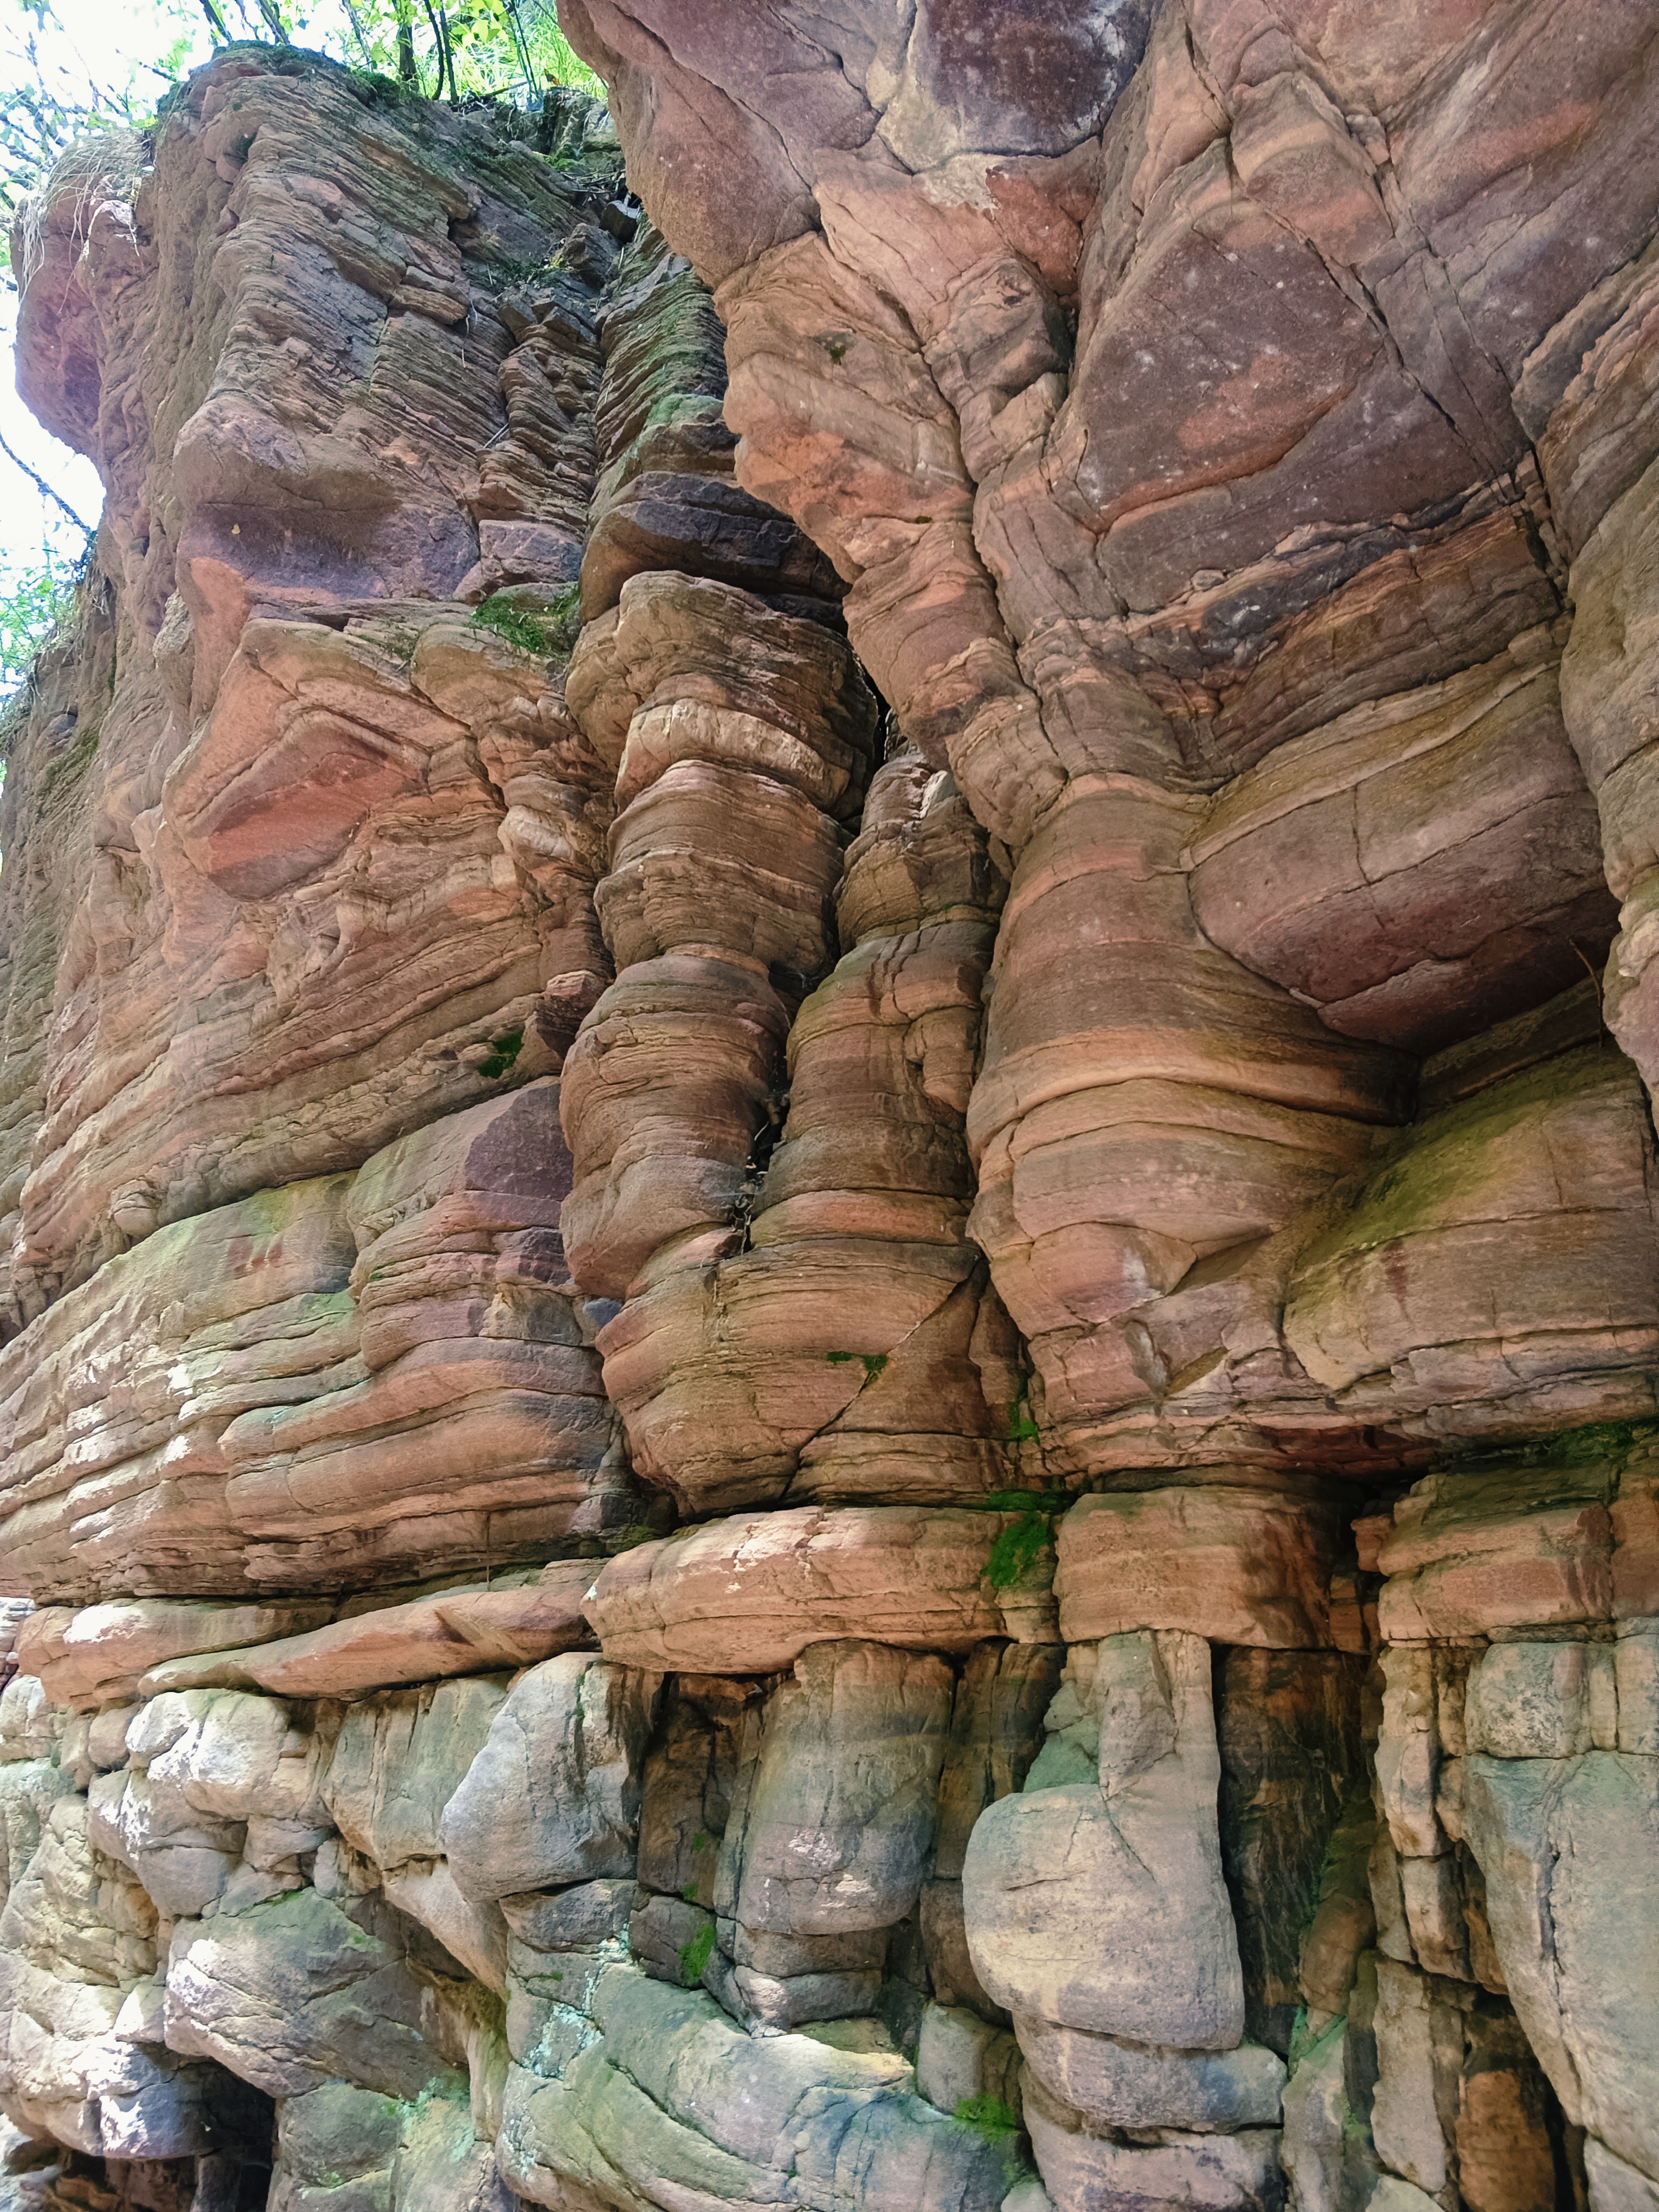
(323, 1026)
(293, 1419)
(459, 1632)
(1221, 416)
(1539, 1179)
(1417, 869)
(1505, 1550)
(749, 1594)
(1236, 1565)
(96, 1655)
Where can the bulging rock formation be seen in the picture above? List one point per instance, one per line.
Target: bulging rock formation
(831, 1316)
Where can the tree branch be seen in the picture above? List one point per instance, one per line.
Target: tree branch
(359, 34)
(45, 489)
(446, 59)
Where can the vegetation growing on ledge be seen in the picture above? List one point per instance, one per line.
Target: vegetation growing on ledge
(392, 51)
(1016, 1550)
(542, 623)
(503, 1051)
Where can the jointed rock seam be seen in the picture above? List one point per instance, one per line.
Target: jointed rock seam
(831, 1306)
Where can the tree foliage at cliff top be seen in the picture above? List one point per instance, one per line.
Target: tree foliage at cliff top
(60, 83)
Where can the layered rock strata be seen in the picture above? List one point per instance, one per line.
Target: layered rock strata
(832, 1317)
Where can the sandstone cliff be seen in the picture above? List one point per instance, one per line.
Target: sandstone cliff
(831, 1326)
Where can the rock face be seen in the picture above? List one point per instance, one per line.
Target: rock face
(831, 1323)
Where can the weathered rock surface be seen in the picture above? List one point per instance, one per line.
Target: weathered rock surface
(336, 1382)
(749, 1594)
(1099, 1904)
(294, 828)
(523, 1618)
(1236, 1565)
(830, 1313)
(553, 1796)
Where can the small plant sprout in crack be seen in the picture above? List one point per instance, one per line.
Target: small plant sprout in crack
(503, 1051)
(1017, 1549)
(989, 2115)
(695, 1954)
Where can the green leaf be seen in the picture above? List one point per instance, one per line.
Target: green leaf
(34, 599)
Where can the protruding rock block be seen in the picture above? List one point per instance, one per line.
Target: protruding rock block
(663, 1092)
(749, 1594)
(1100, 1905)
(1176, 482)
(294, 1419)
(712, 854)
(853, 1351)
(1148, 1001)
(1145, 1102)
(116, 1397)
(76, 2075)
(31, 1728)
(1497, 1269)
(1445, 601)
(1086, 2171)
(76, 1916)
(723, 862)
(881, 1064)
(1236, 1565)
(522, 1618)
(401, 944)
(270, 789)
(680, 638)
(213, 1786)
(920, 855)
(399, 1759)
(1417, 869)
(850, 1357)
(1132, 2085)
(1509, 1548)
(98, 1656)
(300, 1991)
(553, 1795)
(480, 1427)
